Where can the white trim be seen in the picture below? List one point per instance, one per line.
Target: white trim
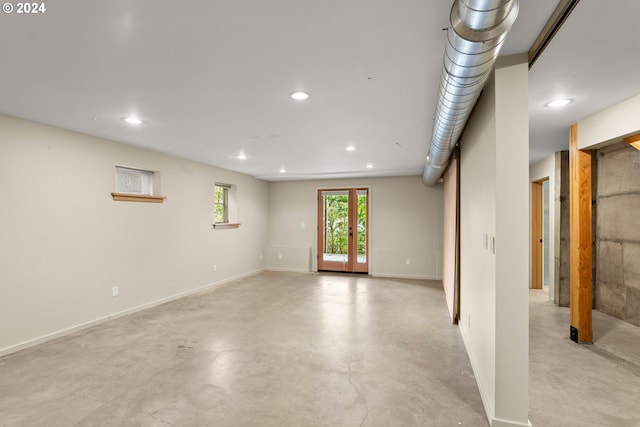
(51, 336)
(488, 406)
(204, 288)
(406, 276)
(289, 247)
(291, 270)
(81, 326)
(497, 422)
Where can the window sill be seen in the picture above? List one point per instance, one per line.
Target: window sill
(126, 197)
(226, 225)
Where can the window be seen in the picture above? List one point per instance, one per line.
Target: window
(222, 203)
(134, 181)
(225, 207)
(135, 185)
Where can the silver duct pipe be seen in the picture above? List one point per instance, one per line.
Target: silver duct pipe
(477, 32)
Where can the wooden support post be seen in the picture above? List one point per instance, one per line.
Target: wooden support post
(580, 241)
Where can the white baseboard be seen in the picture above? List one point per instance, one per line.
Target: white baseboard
(291, 270)
(382, 276)
(51, 336)
(488, 404)
(85, 325)
(203, 288)
(405, 276)
(497, 422)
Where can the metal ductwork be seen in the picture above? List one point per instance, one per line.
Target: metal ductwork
(477, 32)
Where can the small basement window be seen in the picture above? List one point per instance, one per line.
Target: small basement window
(135, 185)
(135, 181)
(221, 207)
(222, 203)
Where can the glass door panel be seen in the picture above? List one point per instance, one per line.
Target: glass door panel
(361, 231)
(336, 225)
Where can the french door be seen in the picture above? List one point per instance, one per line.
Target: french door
(343, 230)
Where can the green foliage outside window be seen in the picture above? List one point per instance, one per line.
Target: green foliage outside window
(362, 224)
(221, 204)
(336, 207)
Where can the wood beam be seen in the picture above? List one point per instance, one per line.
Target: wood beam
(634, 141)
(580, 258)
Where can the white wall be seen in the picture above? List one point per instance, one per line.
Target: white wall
(477, 263)
(610, 125)
(494, 201)
(546, 168)
(64, 242)
(405, 223)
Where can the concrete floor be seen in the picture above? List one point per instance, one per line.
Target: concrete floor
(287, 349)
(275, 349)
(577, 385)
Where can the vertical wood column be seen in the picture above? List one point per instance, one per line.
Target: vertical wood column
(580, 241)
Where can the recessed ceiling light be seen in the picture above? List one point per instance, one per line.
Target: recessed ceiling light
(133, 120)
(282, 170)
(561, 102)
(350, 148)
(299, 96)
(369, 166)
(241, 156)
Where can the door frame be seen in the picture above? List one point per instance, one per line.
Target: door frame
(537, 230)
(351, 266)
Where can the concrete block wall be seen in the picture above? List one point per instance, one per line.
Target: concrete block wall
(561, 232)
(617, 284)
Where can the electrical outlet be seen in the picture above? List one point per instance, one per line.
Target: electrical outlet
(407, 261)
(260, 256)
(469, 321)
(215, 267)
(303, 225)
(114, 291)
(279, 256)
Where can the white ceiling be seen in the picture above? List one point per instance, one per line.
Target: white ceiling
(595, 60)
(211, 79)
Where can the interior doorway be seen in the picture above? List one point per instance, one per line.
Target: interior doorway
(540, 234)
(343, 230)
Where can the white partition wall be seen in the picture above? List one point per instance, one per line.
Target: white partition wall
(494, 198)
